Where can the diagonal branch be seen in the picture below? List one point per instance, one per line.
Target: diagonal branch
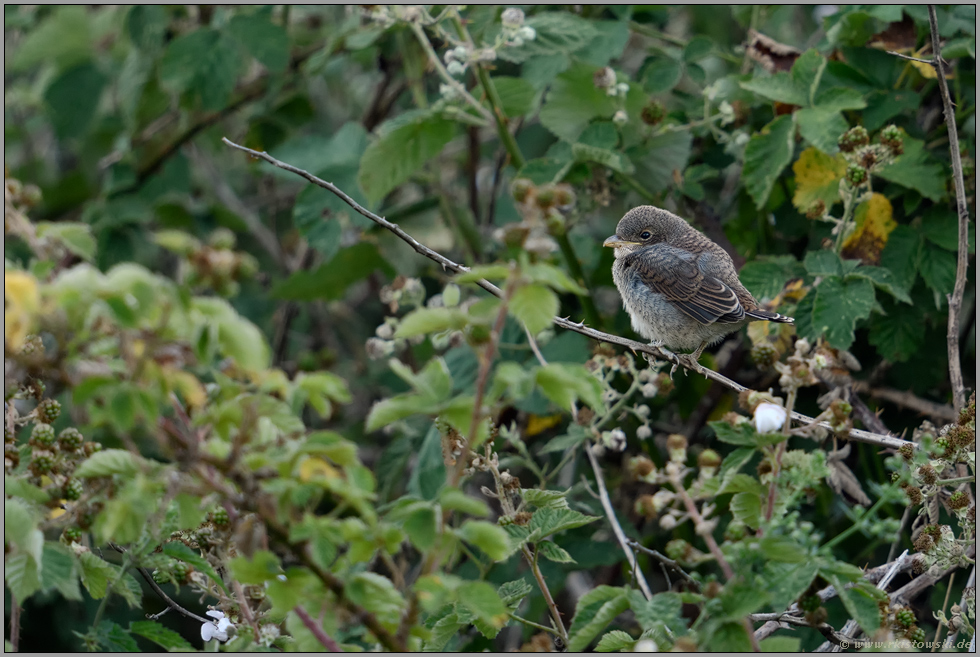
(963, 218)
(880, 440)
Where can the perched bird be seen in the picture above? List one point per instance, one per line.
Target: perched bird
(679, 288)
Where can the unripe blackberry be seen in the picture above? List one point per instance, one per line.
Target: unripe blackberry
(545, 197)
(959, 500)
(70, 439)
(72, 535)
(32, 345)
(905, 617)
(810, 603)
(918, 635)
(816, 210)
(91, 447)
(42, 435)
(48, 410)
(72, 490)
(868, 159)
(653, 113)
(180, 571)
(907, 451)
(764, 355)
(159, 576)
(41, 463)
(220, 517)
(709, 458)
(928, 474)
(853, 139)
(678, 549)
(856, 175)
(521, 189)
(891, 137)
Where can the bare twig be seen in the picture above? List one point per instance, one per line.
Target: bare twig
(880, 440)
(956, 298)
(14, 623)
(444, 74)
(317, 630)
(617, 529)
(666, 561)
(911, 59)
(908, 400)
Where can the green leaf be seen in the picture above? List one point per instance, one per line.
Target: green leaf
(490, 538)
(64, 38)
(442, 631)
(376, 594)
(553, 552)
(885, 280)
(915, 169)
(535, 306)
(423, 321)
(396, 408)
(860, 603)
(257, 570)
(741, 434)
(96, 574)
(160, 635)
(181, 552)
(400, 153)
(563, 384)
(615, 641)
(938, 269)
(263, 39)
(822, 127)
(114, 638)
(106, 463)
(782, 549)
(823, 263)
(453, 499)
(941, 227)
(787, 581)
(20, 573)
(557, 32)
(573, 101)
(204, 63)
(661, 73)
(659, 158)
(330, 280)
(839, 304)
(513, 592)
(747, 508)
(841, 98)
(238, 338)
(901, 256)
(698, 48)
(58, 571)
(807, 71)
(554, 277)
(594, 611)
(780, 644)
(516, 95)
(766, 155)
(545, 499)
(481, 600)
(421, 527)
(18, 487)
(898, 335)
(742, 483)
(546, 522)
(72, 99)
(147, 26)
(765, 278)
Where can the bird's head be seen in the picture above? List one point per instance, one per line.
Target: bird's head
(644, 226)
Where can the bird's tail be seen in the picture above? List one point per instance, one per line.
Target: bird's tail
(759, 313)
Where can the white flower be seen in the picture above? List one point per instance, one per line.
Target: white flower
(645, 645)
(615, 439)
(527, 33)
(649, 390)
(769, 417)
(620, 117)
(667, 523)
(643, 432)
(512, 17)
(455, 68)
(217, 629)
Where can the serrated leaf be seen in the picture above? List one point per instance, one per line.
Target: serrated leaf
(661, 73)
(885, 280)
(181, 552)
(607, 158)
(823, 263)
(76, 237)
(160, 635)
(839, 304)
(938, 269)
(901, 256)
(563, 384)
(822, 127)
(914, 169)
(545, 499)
(516, 95)
(841, 98)
(658, 159)
(546, 522)
(453, 499)
(552, 552)
(96, 574)
(332, 279)
(594, 611)
(58, 571)
(782, 549)
(741, 434)
(742, 483)
(443, 630)
(766, 155)
(573, 101)
(786, 582)
(818, 178)
(806, 73)
(203, 62)
(615, 641)
(779, 87)
(482, 600)
(898, 335)
(421, 528)
(262, 38)
(20, 573)
(396, 408)
(747, 508)
(860, 604)
(400, 153)
(513, 592)
(114, 638)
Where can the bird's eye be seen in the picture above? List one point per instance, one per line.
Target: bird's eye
(645, 235)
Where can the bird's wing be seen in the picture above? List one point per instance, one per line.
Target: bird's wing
(674, 273)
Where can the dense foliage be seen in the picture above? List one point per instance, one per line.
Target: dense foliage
(239, 412)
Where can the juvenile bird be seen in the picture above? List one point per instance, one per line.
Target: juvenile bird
(679, 288)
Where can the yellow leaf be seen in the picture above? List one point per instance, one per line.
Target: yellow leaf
(539, 423)
(316, 468)
(874, 223)
(187, 385)
(20, 303)
(817, 178)
(59, 510)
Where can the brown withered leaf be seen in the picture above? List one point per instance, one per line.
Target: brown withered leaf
(842, 480)
(899, 36)
(773, 56)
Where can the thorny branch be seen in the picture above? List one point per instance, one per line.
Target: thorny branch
(963, 218)
(880, 440)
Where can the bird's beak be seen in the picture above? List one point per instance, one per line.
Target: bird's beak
(616, 241)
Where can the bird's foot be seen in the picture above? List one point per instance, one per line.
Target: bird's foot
(690, 361)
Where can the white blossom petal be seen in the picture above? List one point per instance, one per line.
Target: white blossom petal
(208, 631)
(769, 417)
(214, 613)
